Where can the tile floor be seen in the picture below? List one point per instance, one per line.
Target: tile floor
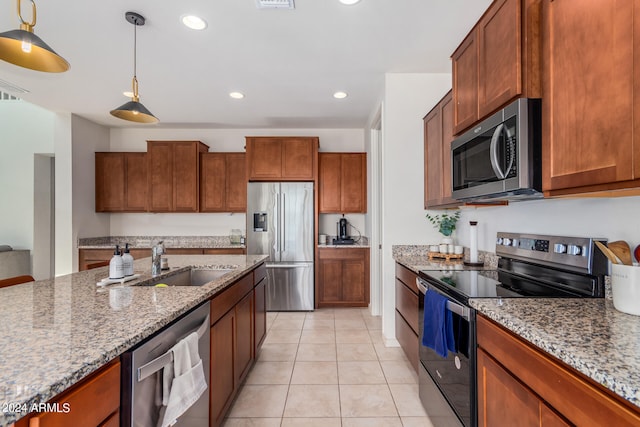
(328, 368)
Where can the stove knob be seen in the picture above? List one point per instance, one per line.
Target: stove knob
(559, 248)
(506, 241)
(574, 250)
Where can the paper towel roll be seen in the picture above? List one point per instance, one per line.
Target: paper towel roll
(473, 241)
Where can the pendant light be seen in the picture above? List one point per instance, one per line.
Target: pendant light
(23, 48)
(133, 110)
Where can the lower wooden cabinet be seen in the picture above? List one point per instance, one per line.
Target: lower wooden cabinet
(260, 318)
(94, 401)
(519, 384)
(343, 277)
(222, 367)
(244, 337)
(407, 313)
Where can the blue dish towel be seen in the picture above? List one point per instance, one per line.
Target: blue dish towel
(438, 324)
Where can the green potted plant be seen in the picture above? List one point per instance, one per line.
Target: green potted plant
(445, 223)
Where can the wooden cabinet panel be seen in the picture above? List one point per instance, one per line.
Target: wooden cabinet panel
(551, 380)
(500, 56)
(109, 182)
(342, 182)
(407, 304)
(91, 402)
(136, 183)
(329, 177)
(343, 278)
(588, 100)
(236, 182)
(174, 175)
(222, 367)
(224, 251)
(408, 340)
(244, 337)
(260, 319)
(223, 185)
(282, 158)
(465, 84)
(438, 135)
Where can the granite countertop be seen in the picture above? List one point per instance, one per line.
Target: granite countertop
(589, 335)
(182, 242)
(416, 258)
(58, 331)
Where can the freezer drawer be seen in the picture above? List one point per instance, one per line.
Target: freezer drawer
(290, 287)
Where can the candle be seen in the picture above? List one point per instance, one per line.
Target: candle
(473, 241)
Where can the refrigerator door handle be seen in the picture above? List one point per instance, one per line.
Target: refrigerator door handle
(284, 223)
(276, 216)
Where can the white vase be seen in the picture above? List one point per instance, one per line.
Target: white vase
(447, 240)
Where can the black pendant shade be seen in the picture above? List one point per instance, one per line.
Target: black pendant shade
(24, 49)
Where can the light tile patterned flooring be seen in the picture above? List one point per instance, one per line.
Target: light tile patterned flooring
(328, 368)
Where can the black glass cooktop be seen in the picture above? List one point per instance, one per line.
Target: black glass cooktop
(467, 284)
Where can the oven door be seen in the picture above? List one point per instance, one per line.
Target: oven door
(448, 385)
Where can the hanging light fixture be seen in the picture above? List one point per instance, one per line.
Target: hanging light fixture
(133, 110)
(23, 48)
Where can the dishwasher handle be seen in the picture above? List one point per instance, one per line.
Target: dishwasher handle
(460, 310)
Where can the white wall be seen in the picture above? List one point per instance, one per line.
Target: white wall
(25, 129)
(408, 98)
(218, 140)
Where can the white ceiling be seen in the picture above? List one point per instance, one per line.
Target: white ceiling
(288, 63)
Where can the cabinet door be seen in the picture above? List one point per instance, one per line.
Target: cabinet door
(260, 318)
(353, 281)
(213, 182)
(136, 182)
(185, 176)
(330, 281)
(588, 93)
(433, 158)
(110, 173)
(244, 337)
(160, 160)
(353, 197)
(298, 158)
(236, 182)
(465, 84)
(329, 176)
(447, 138)
(502, 400)
(499, 55)
(264, 158)
(222, 367)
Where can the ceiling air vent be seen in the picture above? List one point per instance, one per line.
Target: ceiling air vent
(10, 87)
(8, 97)
(275, 4)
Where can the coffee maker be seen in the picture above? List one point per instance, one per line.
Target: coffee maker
(342, 236)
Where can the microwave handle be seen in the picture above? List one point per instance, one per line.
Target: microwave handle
(494, 152)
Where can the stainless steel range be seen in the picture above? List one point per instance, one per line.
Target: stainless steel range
(528, 266)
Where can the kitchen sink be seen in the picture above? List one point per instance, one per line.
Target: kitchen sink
(192, 277)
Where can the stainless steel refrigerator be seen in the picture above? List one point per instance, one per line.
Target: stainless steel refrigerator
(280, 224)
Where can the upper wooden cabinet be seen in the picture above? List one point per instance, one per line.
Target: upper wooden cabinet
(282, 158)
(591, 92)
(342, 182)
(223, 182)
(121, 182)
(173, 175)
(497, 62)
(438, 134)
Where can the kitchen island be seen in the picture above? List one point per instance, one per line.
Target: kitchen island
(58, 331)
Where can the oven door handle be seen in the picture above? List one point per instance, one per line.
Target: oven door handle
(460, 310)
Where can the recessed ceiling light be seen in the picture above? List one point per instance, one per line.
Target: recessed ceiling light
(236, 95)
(340, 95)
(349, 2)
(194, 22)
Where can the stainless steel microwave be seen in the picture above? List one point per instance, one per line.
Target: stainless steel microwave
(500, 158)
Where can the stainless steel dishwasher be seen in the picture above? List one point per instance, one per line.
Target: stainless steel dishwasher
(142, 369)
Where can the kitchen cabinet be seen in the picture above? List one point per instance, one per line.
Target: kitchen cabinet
(438, 135)
(260, 312)
(343, 279)
(233, 348)
(519, 384)
(121, 182)
(591, 92)
(173, 170)
(94, 401)
(342, 182)
(282, 158)
(223, 183)
(497, 62)
(407, 313)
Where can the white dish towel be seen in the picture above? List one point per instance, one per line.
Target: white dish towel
(188, 382)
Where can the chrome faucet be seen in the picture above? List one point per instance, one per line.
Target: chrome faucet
(156, 258)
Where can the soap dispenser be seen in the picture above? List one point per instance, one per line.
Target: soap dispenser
(127, 261)
(116, 266)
